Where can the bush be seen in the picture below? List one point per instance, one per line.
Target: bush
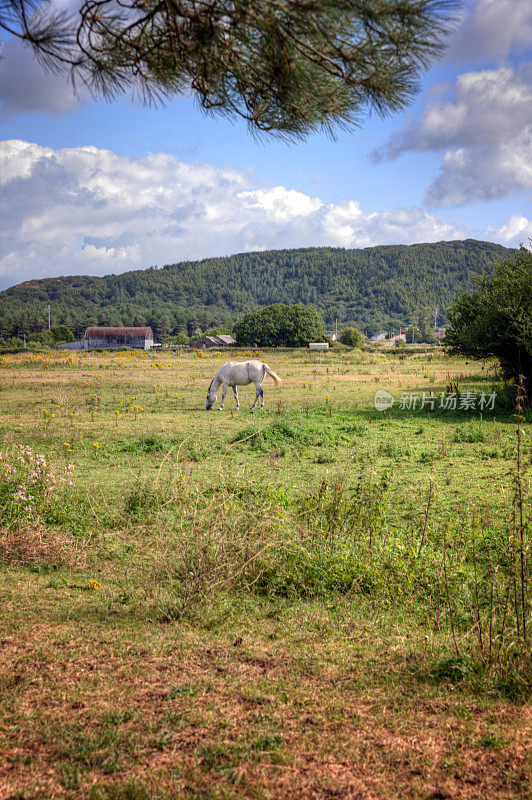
(62, 334)
(351, 337)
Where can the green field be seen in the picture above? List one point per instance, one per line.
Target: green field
(314, 600)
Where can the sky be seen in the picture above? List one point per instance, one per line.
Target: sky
(92, 188)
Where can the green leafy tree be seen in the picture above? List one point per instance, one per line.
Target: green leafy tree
(351, 337)
(62, 334)
(279, 325)
(497, 319)
(182, 338)
(287, 66)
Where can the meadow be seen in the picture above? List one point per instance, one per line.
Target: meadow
(314, 600)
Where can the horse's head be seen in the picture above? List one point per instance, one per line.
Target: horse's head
(211, 397)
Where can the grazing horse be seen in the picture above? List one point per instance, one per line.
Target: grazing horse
(240, 373)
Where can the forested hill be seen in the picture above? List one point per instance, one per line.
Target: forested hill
(373, 287)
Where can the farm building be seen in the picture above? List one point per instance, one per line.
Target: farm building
(224, 340)
(140, 338)
(401, 337)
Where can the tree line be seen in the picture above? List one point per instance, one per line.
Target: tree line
(375, 288)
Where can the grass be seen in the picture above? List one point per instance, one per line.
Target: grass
(313, 600)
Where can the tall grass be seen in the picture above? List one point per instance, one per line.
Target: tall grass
(186, 547)
(461, 577)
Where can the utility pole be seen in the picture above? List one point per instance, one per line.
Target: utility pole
(48, 317)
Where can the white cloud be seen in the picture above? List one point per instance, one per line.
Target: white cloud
(90, 211)
(518, 230)
(280, 204)
(17, 159)
(492, 29)
(489, 126)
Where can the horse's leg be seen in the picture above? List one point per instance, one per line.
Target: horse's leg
(259, 394)
(235, 392)
(226, 387)
(257, 387)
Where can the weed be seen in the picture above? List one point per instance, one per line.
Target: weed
(181, 691)
(490, 740)
(454, 669)
(471, 432)
(132, 790)
(269, 743)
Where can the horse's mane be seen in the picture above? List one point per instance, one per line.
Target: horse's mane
(216, 375)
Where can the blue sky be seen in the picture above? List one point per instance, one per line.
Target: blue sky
(92, 188)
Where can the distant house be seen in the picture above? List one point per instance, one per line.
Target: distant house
(318, 345)
(378, 337)
(224, 340)
(401, 337)
(439, 334)
(140, 338)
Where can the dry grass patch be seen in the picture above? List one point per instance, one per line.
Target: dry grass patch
(32, 544)
(174, 712)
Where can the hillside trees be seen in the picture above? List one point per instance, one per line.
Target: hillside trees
(496, 320)
(288, 67)
(280, 326)
(374, 288)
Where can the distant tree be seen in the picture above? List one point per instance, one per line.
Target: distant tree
(351, 337)
(286, 66)
(400, 343)
(497, 319)
(182, 338)
(162, 326)
(280, 325)
(62, 334)
(426, 334)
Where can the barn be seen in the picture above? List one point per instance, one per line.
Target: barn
(224, 340)
(141, 338)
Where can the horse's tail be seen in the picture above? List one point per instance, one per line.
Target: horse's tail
(272, 374)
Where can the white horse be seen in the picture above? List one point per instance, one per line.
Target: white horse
(240, 373)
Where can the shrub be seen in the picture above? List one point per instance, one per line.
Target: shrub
(351, 337)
